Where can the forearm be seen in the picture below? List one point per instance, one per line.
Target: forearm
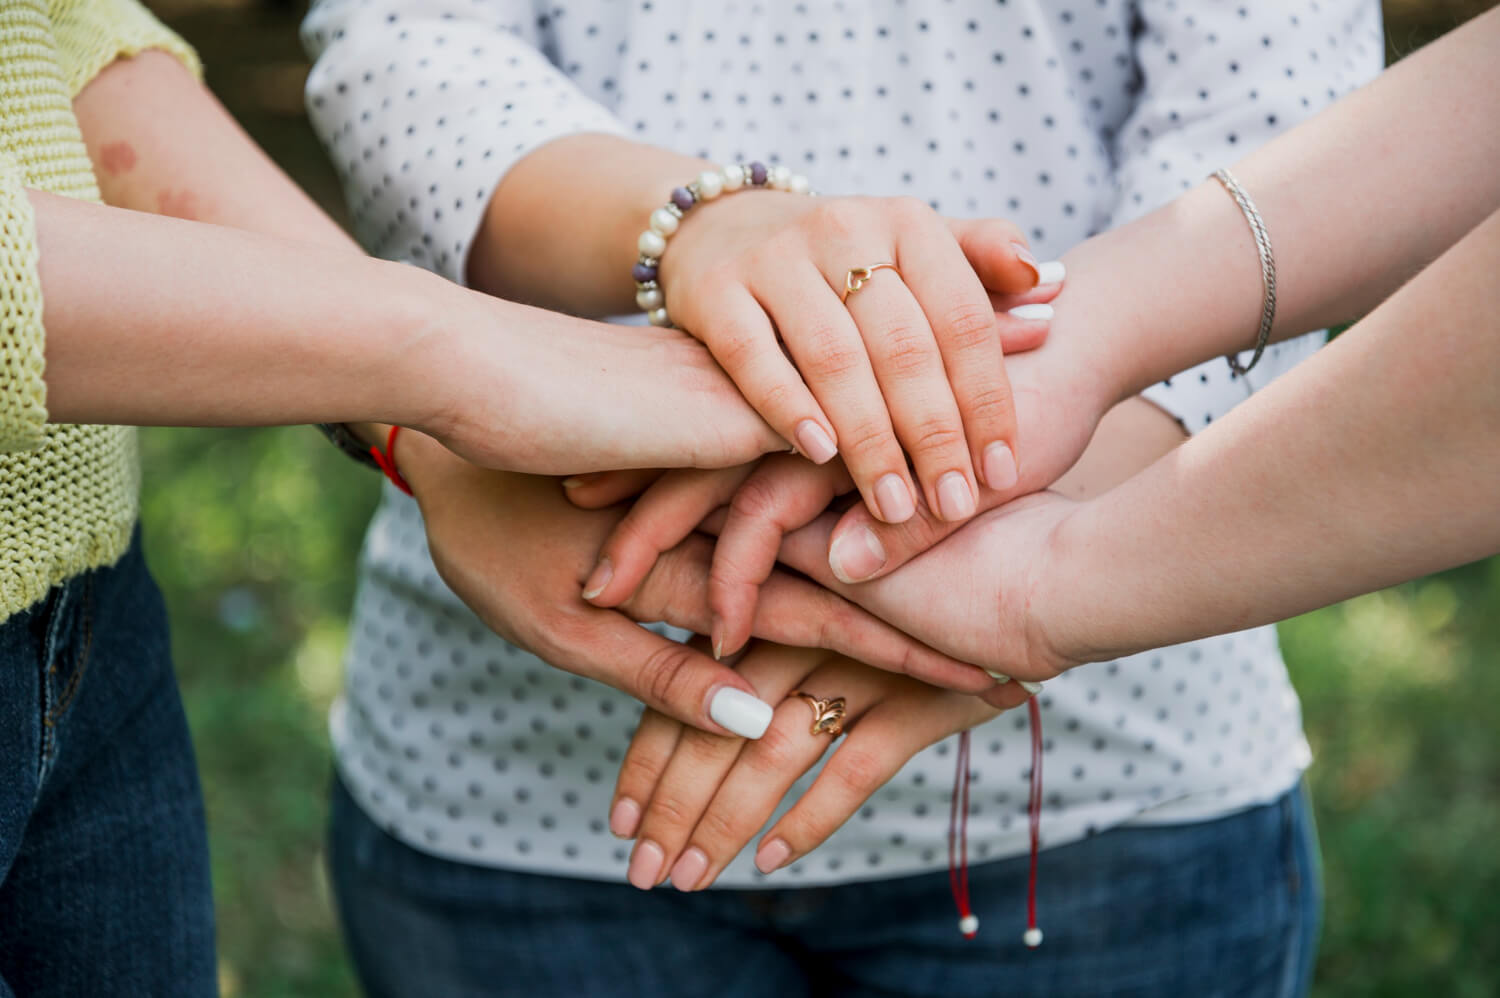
(155, 321)
(560, 231)
(1356, 200)
(162, 143)
(1373, 462)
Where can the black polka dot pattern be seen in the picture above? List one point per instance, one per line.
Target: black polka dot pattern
(1067, 117)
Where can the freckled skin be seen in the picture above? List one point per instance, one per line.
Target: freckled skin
(178, 204)
(117, 158)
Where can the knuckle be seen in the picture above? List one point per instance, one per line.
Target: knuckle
(828, 353)
(718, 826)
(774, 754)
(990, 405)
(908, 210)
(640, 770)
(735, 347)
(834, 217)
(859, 771)
(867, 441)
(669, 809)
(936, 436)
(758, 498)
(970, 326)
(908, 351)
(666, 674)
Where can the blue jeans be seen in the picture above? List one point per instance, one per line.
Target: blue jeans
(1219, 908)
(104, 879)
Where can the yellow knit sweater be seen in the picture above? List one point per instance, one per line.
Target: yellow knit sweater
(68, 494)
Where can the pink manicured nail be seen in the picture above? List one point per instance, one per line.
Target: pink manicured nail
(689, 869)
(624, 817)
(1024, 255)
(1000, 470)
(772, 855)
(856, 555)
(894, 499)
(955, 499)
(815, 443)
(645, 865)
(598, 579)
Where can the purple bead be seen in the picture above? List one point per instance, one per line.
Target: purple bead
(758, 173)
(682, 198)
(643, 272)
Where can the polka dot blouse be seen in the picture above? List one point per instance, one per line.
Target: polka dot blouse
(1068, 117)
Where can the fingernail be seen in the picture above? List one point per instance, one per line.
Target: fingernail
(572, 483)
(815, 443)
(894, 499)
(737, 711)
(1037, 311)
(598, 579)
(624, 817)
(1051, 272)
(772, 855)
(1024, 255)
(955, 498)
(1032, 688)
(856, 555)
(1000, 471)
(645, 865)
(689, 869)
(716, 635)
(998, 677)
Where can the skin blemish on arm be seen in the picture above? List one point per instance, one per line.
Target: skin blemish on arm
(117, 158)
(178, 204)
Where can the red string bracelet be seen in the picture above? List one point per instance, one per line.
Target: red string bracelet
(958, 833)
(387, 461)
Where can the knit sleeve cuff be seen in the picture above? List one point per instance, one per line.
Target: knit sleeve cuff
(94, 34)
(23, 393)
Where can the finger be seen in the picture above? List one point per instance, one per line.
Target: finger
(924, 411)
(650, 748)
(739, 335)
(698, 764)
(861, 548)
(605, 488)
(829, 351)
(793, 611)
(668, 511)
(765, 771)
(782, 494)
(998, 253)
(877, 746)
(968, 336)
(672, 678)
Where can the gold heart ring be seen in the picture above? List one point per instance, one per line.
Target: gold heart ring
(828, 715)
(856, 278)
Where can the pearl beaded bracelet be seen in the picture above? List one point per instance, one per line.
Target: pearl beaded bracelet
(665, 220)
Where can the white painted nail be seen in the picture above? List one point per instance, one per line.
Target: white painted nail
(737, 711)
(1051, 272)
(1038, 311)
(1032, 688)
(998, 677)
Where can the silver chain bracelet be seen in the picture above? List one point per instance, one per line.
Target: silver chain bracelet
(1267, 269)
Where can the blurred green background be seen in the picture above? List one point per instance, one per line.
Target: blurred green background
(253, 535)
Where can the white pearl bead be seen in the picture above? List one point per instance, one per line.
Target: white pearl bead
(710, 185)
(778, 177)
(651, 243)
(798, 184)
(968, 925)
(664, 222)
(1032, 937)
(648, 299)
(658, 317)
(734, 177)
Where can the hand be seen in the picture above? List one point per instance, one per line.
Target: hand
(1060, 399)
(993, 593)
(515, 551)
(519, 388)
(693, 800)
(911, 360)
